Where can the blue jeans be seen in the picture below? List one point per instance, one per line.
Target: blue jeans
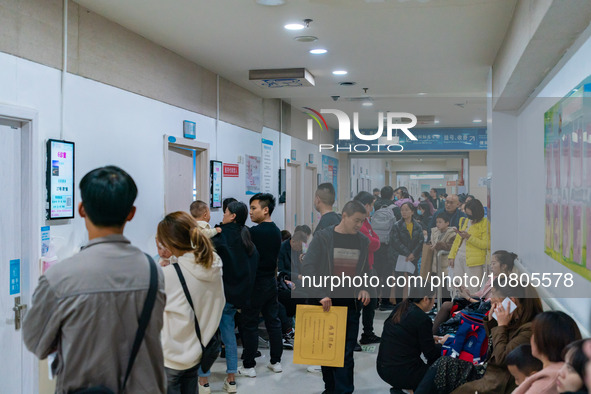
(229, 339)
(340, 380)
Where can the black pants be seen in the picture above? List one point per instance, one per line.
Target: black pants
(427, 384)
(181, 382)
(404, 378)
(263, 300)
(382, 268)
(340, 380)
(369, 312)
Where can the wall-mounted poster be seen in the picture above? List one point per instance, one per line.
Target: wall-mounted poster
(330, 168)
(253, 174)
(267, 166)
(567, 156)
(60, 179)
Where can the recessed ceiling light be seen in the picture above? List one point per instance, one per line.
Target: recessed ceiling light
(339, 72)
(367, 104)
(318, 51)
(436, 121)
(295, 26)
(421, 94)
(477, 121)
(270, 3)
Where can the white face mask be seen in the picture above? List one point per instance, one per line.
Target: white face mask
(173, 259)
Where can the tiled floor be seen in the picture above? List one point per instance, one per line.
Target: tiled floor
(295, 378)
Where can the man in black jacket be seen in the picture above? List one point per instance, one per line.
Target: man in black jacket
(266, 236)
(324, 199)
(336, 251)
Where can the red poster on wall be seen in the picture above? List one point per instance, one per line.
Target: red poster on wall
(231, 170)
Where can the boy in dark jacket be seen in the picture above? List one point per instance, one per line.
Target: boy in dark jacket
(336, 251)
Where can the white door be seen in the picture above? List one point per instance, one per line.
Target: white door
(11, 371)
(180, 179)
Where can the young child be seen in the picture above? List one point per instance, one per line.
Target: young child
(200, 211)
(442, 237)
(522, 364)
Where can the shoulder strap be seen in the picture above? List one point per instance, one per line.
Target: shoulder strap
(144, 318)
(188, 295)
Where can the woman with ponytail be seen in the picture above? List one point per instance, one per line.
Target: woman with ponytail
(240, 263)
(201, 269)
(407, 335)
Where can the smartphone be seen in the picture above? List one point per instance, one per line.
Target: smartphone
(509, 305)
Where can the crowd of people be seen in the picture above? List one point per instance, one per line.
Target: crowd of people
(108, 316)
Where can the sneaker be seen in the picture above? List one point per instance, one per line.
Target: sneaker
(257, 354)
(230, 387)
(287, 343)
(263, 343)
(205, 389)
(248, 372)
(314, 369)
(370, 338)
(358, 348)
(290, 334)
(275, 367)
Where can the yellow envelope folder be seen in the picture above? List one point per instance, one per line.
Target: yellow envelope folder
(320, 336)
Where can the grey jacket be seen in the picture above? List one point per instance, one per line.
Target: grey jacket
(87, 308)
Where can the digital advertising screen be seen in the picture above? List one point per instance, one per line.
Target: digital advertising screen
(60, 179)
(216, 184)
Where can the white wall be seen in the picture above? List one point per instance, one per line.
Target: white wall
(518, 181)
(373, 170)
(113, 126)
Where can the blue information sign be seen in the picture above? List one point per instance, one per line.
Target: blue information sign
(470, 138)
(15, 277)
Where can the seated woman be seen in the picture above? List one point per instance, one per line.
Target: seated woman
(501, 262)
(551, 333)
(507, 331)
(572, 375)
(407, 334)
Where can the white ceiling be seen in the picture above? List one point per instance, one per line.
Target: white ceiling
(395, 48)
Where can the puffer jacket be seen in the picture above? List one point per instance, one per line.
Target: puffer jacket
(477, 245)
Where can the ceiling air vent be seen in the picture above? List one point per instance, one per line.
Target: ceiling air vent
(357, 99)
(281, 77)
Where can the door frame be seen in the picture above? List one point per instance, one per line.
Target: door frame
(32, 209)
(202, 178)
(314, 169)
(290, 219)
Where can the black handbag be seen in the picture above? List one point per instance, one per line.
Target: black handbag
(139, 335)
(210, 352)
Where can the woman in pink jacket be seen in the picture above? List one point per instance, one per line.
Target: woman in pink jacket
(369, 310)
(551, 332)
